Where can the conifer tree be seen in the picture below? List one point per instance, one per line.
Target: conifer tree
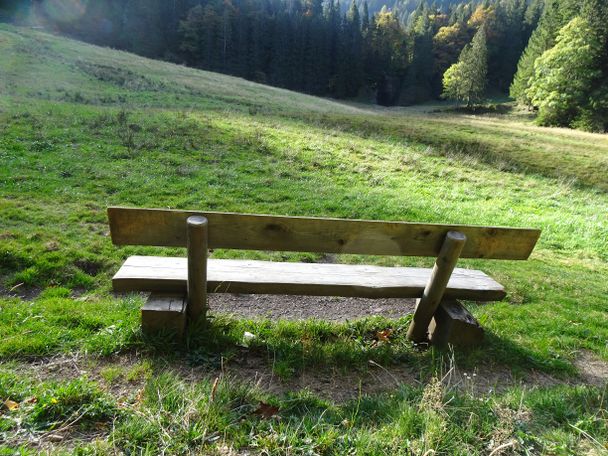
(352, 51)
(418, 81)
(466, 80)
(365, 18)
(315, 45)
(534, 11)
(191, 30)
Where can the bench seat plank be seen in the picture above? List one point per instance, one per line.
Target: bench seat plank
(169, 274)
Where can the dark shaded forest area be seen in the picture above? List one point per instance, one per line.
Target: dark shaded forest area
(392, 56)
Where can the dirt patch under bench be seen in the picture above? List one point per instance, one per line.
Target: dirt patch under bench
(328, 308)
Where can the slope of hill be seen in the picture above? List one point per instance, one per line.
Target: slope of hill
(43, 66)
(82, 127)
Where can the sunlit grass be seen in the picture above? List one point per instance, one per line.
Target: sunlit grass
(82, 128)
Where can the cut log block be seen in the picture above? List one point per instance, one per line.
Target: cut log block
(453, 324)
(164, 312)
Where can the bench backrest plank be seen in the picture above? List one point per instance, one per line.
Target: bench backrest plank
(164, 227)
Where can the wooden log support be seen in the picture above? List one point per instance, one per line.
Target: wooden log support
(164, 312)
(433, 293)
(198, 235)
(453, 324)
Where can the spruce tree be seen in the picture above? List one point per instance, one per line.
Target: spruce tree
(534, 11)
(418, 81)
(466, 80)
(365, 18)
(351, 55)
(143, 22)
(191, 30)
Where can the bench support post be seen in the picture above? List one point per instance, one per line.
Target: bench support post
(198, 242)
(433, 293)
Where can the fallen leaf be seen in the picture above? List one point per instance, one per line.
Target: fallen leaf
(384, 335)
(266, 411)
(32, 400)
(51, 246)
(11, 405)
(139, 397)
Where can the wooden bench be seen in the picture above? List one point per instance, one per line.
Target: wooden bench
(179, 286)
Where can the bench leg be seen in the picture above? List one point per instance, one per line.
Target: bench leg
(453, 324)
(198, 229)
(435, 288)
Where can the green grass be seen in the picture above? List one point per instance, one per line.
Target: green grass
(83, 127)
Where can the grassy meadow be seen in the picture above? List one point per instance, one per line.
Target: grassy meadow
(83, 127)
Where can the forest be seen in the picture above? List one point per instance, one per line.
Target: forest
(399, 53)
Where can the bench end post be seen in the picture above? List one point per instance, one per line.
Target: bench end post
(433, 293)
(198, 243)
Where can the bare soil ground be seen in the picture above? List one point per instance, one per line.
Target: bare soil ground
(337, 385)
(593, 369)
(330, 308)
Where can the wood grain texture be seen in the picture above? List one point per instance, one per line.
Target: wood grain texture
(454, 324)
(164, 312)
(198, 230)
(435, 288)
(169, 274)
(161, 227)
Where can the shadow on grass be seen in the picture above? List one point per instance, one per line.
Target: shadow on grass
(503, 351)
(489, 108)
(54, 325)
(455, 141)
(291, 349)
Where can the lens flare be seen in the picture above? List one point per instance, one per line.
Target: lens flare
(64, 10)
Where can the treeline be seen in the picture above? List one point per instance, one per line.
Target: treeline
(393, 56)
(563, 72)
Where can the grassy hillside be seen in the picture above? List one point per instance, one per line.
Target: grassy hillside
(83, 127)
